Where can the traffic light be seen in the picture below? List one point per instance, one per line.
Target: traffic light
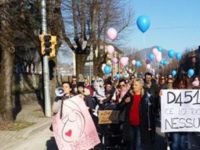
(53, 46)
(48, 45)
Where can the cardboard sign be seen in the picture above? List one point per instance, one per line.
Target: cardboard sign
(75, 130)
(108, 116)
(180, 111)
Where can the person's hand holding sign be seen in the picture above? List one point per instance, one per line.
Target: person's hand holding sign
(160, 94)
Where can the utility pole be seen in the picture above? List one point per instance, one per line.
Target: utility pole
(45, 63)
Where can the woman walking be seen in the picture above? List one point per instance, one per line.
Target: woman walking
(140, 110)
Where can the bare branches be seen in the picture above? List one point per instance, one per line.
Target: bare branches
(126, 22)
(87, 20)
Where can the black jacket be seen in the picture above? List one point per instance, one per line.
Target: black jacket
(147, 114)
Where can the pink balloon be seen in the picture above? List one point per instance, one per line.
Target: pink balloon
(148, 66)
(124, 61)
(196, 82)
(112, 33)
(158, 56)
(133, 62)
(115, 60)
(155, 51)
(110, 49)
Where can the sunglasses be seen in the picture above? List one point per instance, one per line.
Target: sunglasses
(99, 80)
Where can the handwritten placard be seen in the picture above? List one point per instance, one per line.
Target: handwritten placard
(180, 111)
(75, 130)
(108, 116)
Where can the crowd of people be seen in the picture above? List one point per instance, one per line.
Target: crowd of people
(138, 101)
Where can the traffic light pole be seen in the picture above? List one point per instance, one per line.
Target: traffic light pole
(45, 63)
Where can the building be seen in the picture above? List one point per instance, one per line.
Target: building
(100, 56)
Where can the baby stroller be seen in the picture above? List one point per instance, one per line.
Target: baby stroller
(109, 128)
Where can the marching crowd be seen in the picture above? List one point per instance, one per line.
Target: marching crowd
(137, 99)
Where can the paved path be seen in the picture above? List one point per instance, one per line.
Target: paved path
(33, 113)
(37, 141)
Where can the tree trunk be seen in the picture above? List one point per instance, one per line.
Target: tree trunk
(6, 84)
(98, 61)
(80, 63)
(97, 67)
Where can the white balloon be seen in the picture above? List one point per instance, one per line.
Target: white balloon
(102, 67)
(133, 62)
(148, 66)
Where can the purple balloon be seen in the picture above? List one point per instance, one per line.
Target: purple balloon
(148, 61)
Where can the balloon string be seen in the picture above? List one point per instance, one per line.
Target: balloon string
(144, 43)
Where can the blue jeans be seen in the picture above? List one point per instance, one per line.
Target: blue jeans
(178, 140)
(135, 138)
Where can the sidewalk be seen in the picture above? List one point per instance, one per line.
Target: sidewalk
(30, 113)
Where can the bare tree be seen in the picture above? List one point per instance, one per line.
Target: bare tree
(20, 25)
(6, 64)
(83, 29)
(86, 22)
(16, 26)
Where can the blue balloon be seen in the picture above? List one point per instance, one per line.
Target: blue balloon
(143, 23)
(190, 73)
(159, 48)
(118, 76)
(178, 56)
(162, 62)
(107, 70)
(151, 57)
(171, 53)
(138, 64)
(174, 73)
(165, 62)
